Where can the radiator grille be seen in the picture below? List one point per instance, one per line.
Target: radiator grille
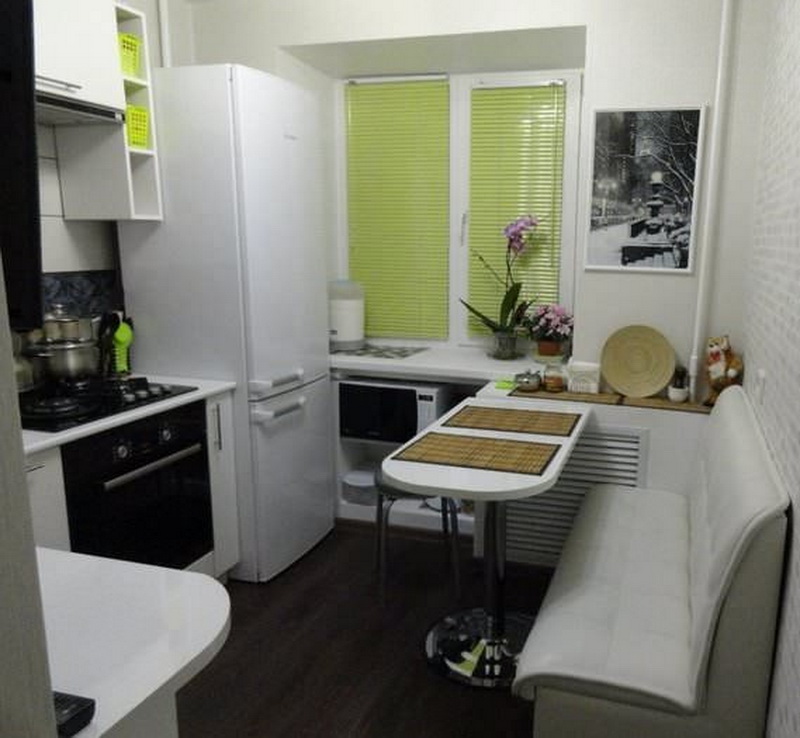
(537, 527)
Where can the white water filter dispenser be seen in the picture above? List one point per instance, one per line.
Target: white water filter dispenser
(347, 314)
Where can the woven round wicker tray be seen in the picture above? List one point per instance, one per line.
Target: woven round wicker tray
(637, 361)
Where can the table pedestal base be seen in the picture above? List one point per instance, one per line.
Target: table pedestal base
(463, 647)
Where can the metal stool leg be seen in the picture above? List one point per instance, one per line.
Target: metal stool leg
(385, 503)
(379, 532)
(449, 529)
(445, 517)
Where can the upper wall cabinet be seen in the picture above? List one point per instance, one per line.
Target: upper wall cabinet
(76, 52)
(109, 171)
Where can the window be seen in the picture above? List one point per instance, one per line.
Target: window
(516, 160)
(398, 204)
(430, 185)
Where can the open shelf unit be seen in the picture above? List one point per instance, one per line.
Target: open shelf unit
(102, 176)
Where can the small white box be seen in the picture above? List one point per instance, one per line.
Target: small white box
(583, 376)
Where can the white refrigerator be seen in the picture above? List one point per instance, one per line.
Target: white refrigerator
(232, 285)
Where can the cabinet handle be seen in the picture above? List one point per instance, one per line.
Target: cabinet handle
(61, 84)
(265, 416)
(33, 468)
(218, 422)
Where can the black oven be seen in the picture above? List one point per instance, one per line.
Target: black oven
(140, 491)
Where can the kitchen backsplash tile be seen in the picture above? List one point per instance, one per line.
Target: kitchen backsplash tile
(83, 293)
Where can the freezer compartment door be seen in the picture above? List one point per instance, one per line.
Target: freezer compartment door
(293, 458)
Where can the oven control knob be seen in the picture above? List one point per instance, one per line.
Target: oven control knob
(142, 394)
(156, 390)
(128, 397)
(122, 451)
(165, 434)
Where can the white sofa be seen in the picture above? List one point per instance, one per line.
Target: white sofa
(660, 619)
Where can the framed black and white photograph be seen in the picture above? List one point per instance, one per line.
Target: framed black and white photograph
(644, 186)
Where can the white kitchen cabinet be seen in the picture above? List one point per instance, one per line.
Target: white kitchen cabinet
(222, 473)
(47, 498)
(103, 176)
(76, 52)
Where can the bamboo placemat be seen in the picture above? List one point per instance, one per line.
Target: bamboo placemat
(603, 398)
(494, 454)
(514, 420)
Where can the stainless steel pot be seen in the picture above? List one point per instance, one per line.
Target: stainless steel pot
(65, 359)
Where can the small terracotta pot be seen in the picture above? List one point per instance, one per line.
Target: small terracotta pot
(549, 348)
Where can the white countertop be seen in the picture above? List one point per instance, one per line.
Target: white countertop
(118, 632)
(460, 363)
(33, 441)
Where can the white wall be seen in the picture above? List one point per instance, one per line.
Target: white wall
(735, 200)
(772, 319)
(637, 54)
(67, 246)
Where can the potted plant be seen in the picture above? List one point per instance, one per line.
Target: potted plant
(518, 234)
(550, 326)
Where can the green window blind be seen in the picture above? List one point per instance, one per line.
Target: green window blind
(516, 168)
(398, 204)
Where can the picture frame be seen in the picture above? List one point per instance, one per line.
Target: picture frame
(645, 178)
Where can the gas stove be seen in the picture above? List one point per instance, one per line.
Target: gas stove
(64, 404)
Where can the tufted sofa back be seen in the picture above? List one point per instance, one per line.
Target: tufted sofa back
(735, 492)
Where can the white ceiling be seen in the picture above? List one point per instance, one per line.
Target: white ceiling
(501, 51)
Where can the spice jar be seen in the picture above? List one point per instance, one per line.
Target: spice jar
(554, 379)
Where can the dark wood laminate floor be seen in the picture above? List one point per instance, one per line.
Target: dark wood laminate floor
(315, 653)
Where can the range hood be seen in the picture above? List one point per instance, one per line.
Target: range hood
(54, 110)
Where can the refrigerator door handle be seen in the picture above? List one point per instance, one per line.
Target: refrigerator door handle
(259, 388)
(260, 417)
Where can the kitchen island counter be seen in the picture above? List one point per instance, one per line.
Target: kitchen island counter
(129, 636)
(33, 441)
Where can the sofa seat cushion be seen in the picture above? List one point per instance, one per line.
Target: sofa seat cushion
(616, 621)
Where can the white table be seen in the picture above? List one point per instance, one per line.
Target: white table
(479, 646)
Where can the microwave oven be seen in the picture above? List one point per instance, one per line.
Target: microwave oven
(385, 410)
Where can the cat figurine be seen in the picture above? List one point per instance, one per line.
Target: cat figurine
(723, 367)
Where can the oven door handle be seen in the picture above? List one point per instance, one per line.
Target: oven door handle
(153, 466)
